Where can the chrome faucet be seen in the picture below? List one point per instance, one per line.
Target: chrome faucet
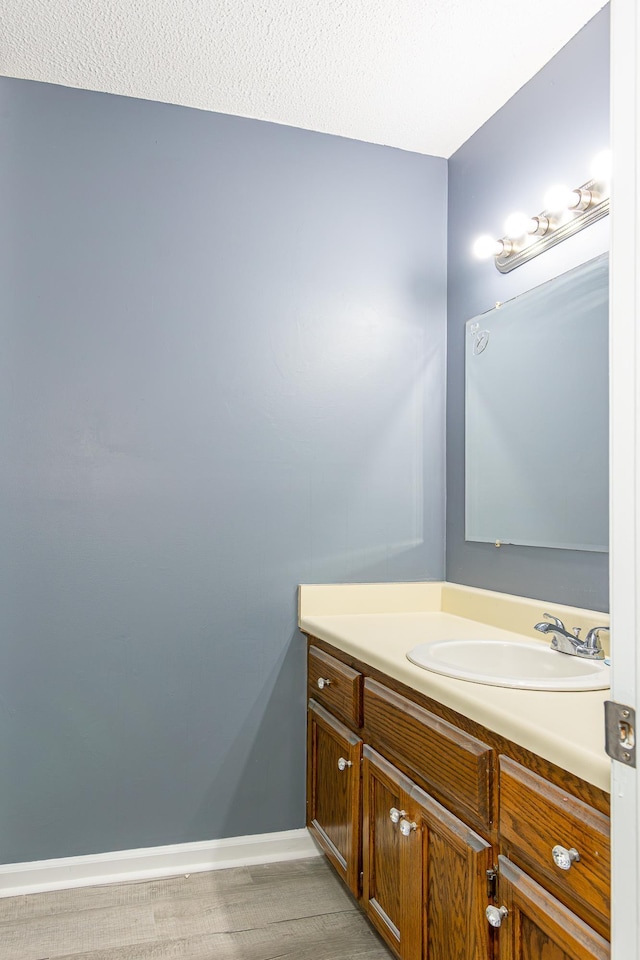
(569, 642)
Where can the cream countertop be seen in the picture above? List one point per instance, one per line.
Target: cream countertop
(379, 623)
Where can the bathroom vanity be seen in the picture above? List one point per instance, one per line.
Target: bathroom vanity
(470, 821)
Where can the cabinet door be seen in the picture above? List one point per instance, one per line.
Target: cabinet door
(539, 926)
(455, 861)
(392, 863)
(334, 792)
(425, 876)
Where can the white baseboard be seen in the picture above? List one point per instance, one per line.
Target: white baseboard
(147, 863)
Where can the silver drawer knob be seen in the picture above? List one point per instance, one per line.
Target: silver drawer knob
(495, 915)
(407, 827)
(563, 858)
(323, 682)
(396, 815)
(343, 764)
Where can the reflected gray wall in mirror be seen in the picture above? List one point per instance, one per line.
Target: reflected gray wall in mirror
(536, 415)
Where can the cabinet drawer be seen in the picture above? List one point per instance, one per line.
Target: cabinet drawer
(536, 816)
(335, 685)
(453, 766)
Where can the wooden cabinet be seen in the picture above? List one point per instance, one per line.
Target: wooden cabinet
(453, 766)
(538, 927)
(392, 862)
(335, 685)
(539, 823)
(333, 792)
(425, 871)
(456, 862)
(431, 818)
(554, 880)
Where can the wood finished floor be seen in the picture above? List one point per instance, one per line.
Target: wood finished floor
(297, 910)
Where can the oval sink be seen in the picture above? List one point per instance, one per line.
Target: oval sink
(510, 663)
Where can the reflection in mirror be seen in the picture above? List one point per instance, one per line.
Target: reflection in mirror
(537, 412)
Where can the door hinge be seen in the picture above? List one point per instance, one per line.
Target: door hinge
(492, 883)
(620, 732)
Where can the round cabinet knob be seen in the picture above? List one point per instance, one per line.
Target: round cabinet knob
(407, 827)
(343, 764)
(396, 815)
(495, 915)
(323, 682)
(563, 858)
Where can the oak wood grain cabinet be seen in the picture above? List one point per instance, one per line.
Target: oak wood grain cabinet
(424, 870)
(448, 763)
(561, 842)
(537, 926)
(392, 863)
(431, 819)
(337, 686)
(333, 792)
(553, 873)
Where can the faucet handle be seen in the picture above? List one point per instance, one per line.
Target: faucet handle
(559, 624)
(592, 639)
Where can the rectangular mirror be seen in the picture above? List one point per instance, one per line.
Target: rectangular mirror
(537, 412)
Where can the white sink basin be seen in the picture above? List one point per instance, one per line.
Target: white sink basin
(510, 663)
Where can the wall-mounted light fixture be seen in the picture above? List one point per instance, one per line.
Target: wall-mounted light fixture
(566, 211)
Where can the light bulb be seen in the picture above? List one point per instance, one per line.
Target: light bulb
(518, 224)
(485, 247)
(601, 166)
(539, 225)
(560, 197)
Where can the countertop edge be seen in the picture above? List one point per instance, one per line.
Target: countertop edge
(566, 751)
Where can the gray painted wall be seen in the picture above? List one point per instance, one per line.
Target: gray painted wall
(222, 374)
(547, 133)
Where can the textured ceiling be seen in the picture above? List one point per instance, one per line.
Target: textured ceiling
(416, 74)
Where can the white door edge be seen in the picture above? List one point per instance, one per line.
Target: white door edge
(625, 453)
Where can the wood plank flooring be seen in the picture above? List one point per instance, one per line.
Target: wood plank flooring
(296, 910)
